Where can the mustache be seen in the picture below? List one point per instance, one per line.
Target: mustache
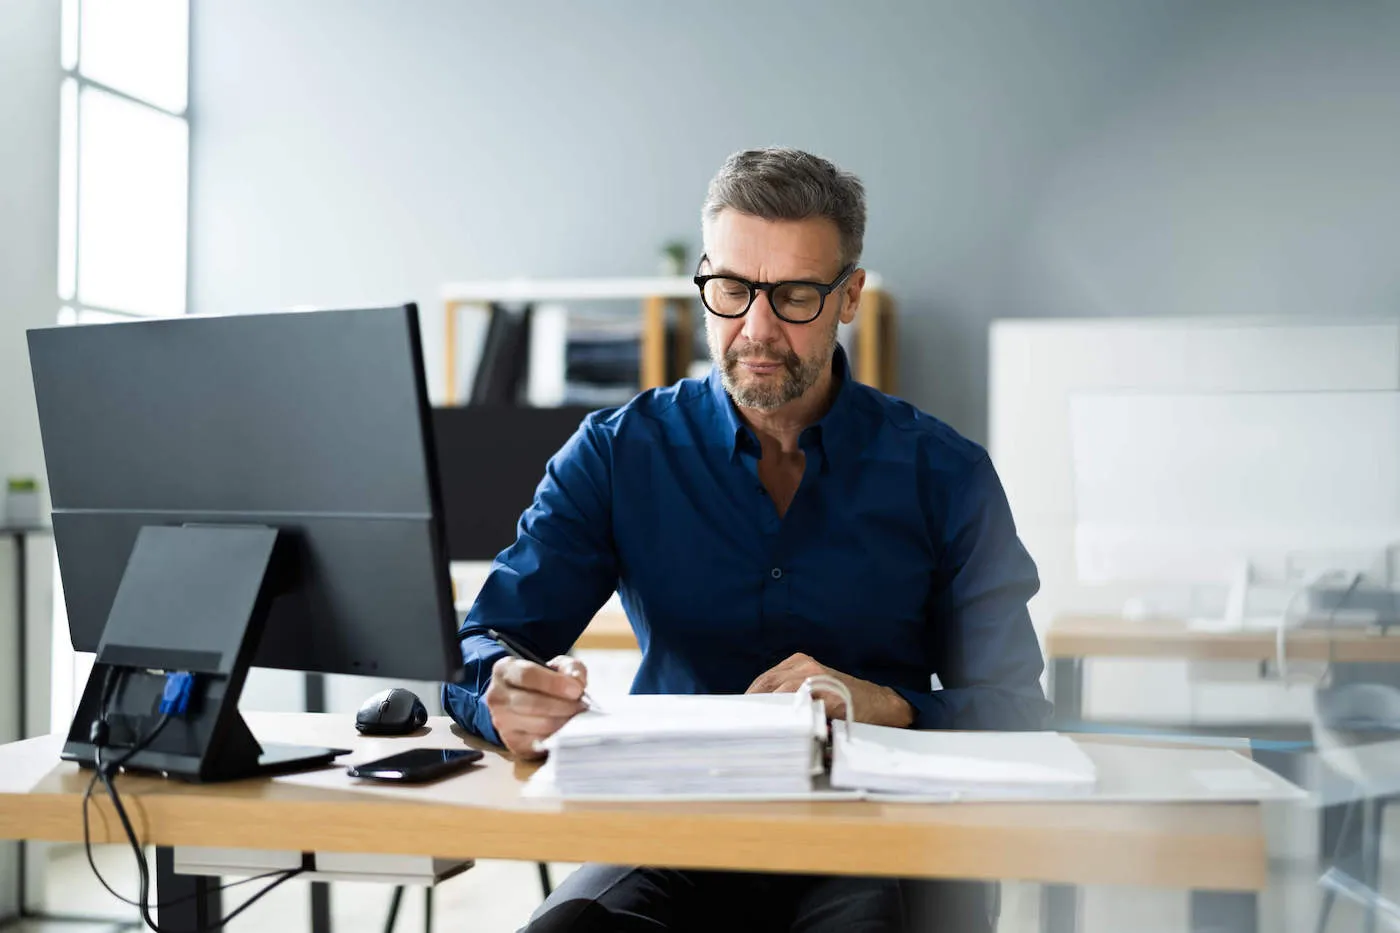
(751, 355)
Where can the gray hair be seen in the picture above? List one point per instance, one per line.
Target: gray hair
(778, 183)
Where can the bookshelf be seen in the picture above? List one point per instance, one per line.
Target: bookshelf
(668, 306)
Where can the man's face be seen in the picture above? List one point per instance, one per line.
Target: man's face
(764, 361)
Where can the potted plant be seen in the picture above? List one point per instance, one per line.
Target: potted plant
(21, 501)
(673, 253)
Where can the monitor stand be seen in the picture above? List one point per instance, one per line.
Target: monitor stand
(192, 598)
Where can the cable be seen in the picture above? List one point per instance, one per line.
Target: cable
(1281, 629)
(87, 845)
(144, 869)
(1281, 632)
(98, 774)
(1331, 622)
(104, 772)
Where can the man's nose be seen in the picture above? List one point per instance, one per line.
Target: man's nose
(761, 325)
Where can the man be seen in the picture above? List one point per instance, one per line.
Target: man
(774, 521)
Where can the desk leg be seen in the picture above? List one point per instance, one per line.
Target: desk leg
(1059, 903)
(320, 907)
(1059, 908)
(1224, 912)
(22, 633)
(22, 704)
(200, 902)
(320, 890)
(1067, 688)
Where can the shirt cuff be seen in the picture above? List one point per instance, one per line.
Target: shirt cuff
(930, 712)
(978, 708)
(468, 711)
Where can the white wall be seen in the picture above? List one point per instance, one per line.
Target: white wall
(1037, 365)
(1023, 159)
(351, 151)
(1253, 172)
(29, 74)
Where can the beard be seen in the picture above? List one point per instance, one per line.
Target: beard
(765, 393)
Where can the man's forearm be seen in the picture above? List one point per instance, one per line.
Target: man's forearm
(892, 709)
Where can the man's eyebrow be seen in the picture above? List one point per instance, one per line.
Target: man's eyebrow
(721, 270)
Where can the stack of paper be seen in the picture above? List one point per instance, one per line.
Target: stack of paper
(660, 746)
(987, 765)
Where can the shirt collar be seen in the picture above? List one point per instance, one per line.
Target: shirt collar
(832, 436)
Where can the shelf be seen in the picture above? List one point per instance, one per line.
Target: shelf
(661, 298)
(582, 289)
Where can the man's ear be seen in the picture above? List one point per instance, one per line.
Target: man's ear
(851, 292)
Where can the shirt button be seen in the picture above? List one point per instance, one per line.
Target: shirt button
(776, 573)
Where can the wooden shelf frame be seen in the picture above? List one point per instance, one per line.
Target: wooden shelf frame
(667, 300)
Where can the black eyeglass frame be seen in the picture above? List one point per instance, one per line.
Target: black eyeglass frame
(823, 288)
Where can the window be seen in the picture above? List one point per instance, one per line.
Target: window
(124, 141)
(123, 199)
(123, 159)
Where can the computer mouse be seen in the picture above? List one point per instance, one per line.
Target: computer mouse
(391, 712)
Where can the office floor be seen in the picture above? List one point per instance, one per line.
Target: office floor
(496, 897)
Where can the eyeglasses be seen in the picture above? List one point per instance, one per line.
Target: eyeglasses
(794, 302)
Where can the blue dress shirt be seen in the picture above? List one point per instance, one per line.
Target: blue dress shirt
(896, 560)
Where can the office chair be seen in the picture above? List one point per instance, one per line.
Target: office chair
(1356, 728)
(950, 906)
(545, 885)
(393, 917)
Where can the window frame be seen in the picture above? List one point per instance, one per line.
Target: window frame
(71, 309)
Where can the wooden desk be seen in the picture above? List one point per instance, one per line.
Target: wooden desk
(482, 815)
(1075, 636)
(610, 630)
(1073, 639)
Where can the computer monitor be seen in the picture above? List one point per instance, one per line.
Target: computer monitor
(235, 491)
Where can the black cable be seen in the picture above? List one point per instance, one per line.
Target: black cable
(99, 735)
(98, 769)
(144, 869)
(1346, 597)
(1332, 621)
(87, 845)
(103, 772)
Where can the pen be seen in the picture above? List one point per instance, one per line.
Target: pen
(516, 651)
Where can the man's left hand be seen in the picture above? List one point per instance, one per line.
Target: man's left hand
(873, 703)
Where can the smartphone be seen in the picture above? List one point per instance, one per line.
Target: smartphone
(417, 765)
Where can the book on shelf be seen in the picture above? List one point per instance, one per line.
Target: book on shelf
(583, 358)
(549, 354)
(503, 359)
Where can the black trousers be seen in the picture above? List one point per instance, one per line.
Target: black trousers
(621, 899)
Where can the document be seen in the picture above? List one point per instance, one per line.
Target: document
(771, 747)
(685, 745)
(985, 765)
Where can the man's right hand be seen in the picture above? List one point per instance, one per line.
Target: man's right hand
(529, 703)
